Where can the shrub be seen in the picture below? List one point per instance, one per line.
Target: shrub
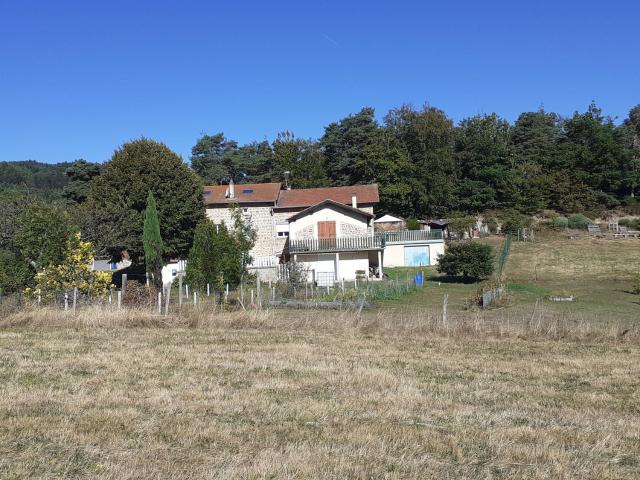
(412, 224)
(492, 225)
(556, 223)
(630, 223)
(73, 272)
(296, 277)
(471, 260)
(461, 225)
(515, 221)
(578, 221)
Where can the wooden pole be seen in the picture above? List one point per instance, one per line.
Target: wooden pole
(180, 290)
(124, 283)
(195, 299)
(186, 291)
(66, 301)
(252, 296)
(445, 302)
(75, 298)
(119, 298)
(166, 301)
(159, 302)
(208, 291)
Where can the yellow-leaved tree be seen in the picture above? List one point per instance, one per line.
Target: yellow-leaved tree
(74, 271)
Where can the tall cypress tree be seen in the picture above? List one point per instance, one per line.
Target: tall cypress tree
(152, 242)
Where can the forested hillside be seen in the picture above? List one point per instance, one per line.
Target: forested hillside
(29, 175)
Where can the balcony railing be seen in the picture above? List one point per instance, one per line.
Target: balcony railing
(340, 244)
(376, 242)
(411, 236)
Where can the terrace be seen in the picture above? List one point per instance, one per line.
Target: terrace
(370, 242)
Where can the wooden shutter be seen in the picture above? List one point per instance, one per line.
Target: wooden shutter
(327, 229)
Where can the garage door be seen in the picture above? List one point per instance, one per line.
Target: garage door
(416, 255)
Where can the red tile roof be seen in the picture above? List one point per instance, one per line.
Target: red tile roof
(306, 197)
(244, 193)
(329, 203)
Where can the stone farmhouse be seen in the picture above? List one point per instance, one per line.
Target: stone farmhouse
(329, 230)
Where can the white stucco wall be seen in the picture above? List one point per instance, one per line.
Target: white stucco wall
(347, 224)
(394, 254)
(349, 263)
(171, 271)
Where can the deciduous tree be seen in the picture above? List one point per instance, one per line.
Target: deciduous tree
(118, 199)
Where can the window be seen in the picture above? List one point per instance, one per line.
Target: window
(282, 230)
(247, 191)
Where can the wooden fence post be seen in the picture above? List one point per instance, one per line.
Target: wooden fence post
(75, 298)
(445, 302)
(66, 301)
(124, 283)
(179, 290)
(195, 298)
(166, 301)
(119, 298)
(208, 291)
(160, 303)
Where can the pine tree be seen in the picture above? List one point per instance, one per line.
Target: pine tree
(152, 242)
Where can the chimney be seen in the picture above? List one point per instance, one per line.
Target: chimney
(232, 189)
(354, 200)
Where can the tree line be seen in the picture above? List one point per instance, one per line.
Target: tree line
(426, 165)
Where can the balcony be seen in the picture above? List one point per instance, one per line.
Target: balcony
(340, 244)
(411, 236)
(354, 244)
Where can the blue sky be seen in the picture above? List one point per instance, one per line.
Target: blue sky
(79, 78)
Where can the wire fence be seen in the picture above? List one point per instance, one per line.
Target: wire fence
(358, 293)
(506, 248)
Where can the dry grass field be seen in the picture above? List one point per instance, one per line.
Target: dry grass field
(531, 389)
(126, 395)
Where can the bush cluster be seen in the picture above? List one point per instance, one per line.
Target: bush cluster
(471, 260)
(514, 221)
(578, 221)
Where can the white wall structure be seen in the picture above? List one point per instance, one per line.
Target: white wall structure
(348, 223)
(396, 255)
(171, 271)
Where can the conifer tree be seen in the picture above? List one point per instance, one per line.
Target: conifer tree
(152, 242)
(202, 262)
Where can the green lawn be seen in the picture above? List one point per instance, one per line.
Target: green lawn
(598, 272)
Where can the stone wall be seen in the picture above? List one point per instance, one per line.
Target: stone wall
(261, 221)
(350, 230)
